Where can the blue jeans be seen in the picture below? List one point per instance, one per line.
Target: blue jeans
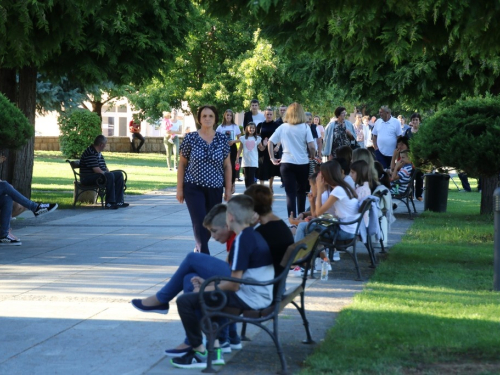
(5, 214)
(194, 264)
(7, 189)
(300, 233)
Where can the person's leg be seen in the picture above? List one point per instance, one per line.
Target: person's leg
(213, 196)
(203, 265)
(118, 178)
(419, 184)
(388, 160)
(132, 139)
(300, 233)
(168, 150)
(234, 152)
(301, 175)
(187, 304)
(288, 178)
(196, 202)
(7, 189)
(176, 151)
(110, 187)
(464, 180)
(141, 138)
(249, 176)
(5, 214)
(381, 159)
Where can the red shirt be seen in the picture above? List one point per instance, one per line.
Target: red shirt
(230, 241)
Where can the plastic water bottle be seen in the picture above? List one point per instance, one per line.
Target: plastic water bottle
(324, 269)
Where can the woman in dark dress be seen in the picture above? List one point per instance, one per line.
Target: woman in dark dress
(267, 170)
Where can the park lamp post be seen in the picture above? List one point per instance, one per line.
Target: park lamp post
(496, 269)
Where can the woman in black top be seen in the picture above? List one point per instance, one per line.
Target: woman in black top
(267, 170)
(274, 230)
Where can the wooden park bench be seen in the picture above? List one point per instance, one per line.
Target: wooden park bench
(98, 189)
(300, 253)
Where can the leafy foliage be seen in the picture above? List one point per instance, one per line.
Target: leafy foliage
(416, 54)
(15, 129)
(78, 131)
(228, 63)
(464, 136)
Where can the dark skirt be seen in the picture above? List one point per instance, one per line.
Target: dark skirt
(266, 168)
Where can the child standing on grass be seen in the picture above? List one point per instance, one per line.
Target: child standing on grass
(249, 145)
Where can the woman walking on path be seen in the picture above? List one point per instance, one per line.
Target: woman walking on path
(267, 170)
(203, 172)
(338, 133)
(232, 132)
(298, 147)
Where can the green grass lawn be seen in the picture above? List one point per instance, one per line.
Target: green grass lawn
(429, 308)
(53, 178)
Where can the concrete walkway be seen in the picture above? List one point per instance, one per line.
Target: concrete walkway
(64, 294)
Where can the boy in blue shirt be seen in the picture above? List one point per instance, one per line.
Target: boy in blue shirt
(249, 258)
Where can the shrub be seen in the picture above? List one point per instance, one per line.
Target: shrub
(464, 136)
(78, 131)
(15, 129)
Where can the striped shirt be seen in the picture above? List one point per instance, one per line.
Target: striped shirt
(91, 159)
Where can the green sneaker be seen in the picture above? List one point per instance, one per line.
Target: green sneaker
(194, 359)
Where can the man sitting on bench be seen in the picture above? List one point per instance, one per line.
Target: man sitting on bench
(92, 166)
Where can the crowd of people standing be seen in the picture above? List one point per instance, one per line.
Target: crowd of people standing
(293, 147)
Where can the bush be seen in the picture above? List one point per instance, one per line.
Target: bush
(15, 129)
(463, 136)
(78, 131)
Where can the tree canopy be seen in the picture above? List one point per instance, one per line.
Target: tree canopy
(419, 54)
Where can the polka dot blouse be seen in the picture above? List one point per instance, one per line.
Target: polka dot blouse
(205, 161)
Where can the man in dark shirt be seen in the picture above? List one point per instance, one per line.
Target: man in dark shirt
(283, 108)
(92, 166)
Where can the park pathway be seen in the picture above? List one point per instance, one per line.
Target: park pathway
(64, 294)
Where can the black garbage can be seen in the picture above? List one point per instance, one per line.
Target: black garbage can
(436, 192)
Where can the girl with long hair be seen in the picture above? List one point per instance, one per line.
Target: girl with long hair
(232, 132)
(341, 196)
(250, 143)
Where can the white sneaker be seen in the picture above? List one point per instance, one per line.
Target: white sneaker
(296, 272)
(9, 240)
(336, 256)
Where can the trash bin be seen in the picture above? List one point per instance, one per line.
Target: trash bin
(436, 192)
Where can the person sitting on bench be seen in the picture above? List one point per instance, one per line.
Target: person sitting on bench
(92, 166)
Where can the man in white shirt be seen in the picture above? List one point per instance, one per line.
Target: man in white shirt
(385, 133)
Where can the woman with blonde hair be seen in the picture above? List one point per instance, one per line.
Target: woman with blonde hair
(298, 147)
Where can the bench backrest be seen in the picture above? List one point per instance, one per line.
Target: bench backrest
(75, 167)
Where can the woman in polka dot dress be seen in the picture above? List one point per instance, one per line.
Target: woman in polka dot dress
(203, 172)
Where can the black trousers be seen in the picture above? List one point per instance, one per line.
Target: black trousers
(250, 176)
(295, 180)
(141, 138)
(199, 201)
(189, 303)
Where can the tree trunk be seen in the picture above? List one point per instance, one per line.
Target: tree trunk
(22, 159)
(8, 87)
(488, 186)
(97, 108)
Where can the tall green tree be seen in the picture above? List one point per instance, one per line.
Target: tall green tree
(417, 54)
(89, 42)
